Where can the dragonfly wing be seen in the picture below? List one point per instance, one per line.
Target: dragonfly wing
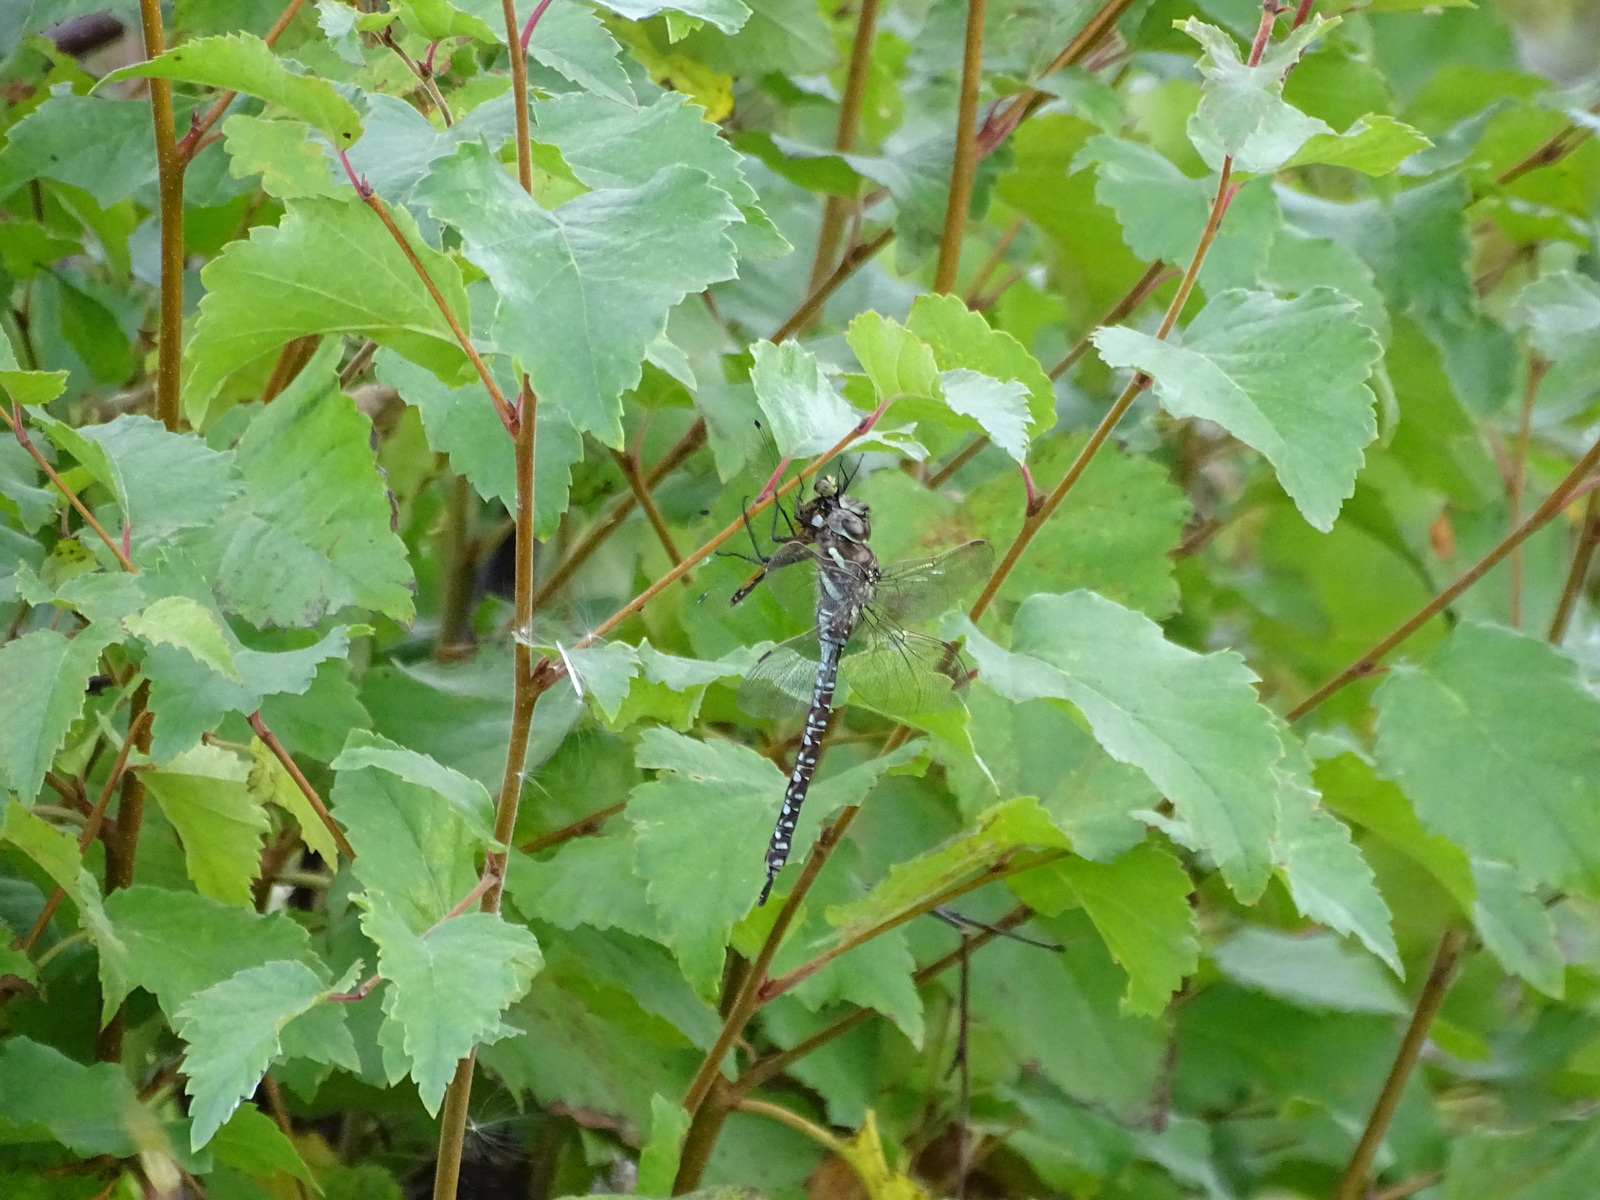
(783, 679)
(920, 588)
(898, 671)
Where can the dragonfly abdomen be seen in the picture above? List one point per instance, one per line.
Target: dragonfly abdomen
(805, 763)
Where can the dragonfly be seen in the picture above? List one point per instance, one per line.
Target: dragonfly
(862, 605)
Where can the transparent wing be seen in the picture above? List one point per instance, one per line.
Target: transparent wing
(893, 669)
(783, 679)
(920, 588)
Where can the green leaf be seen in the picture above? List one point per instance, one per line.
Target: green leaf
(106, 147)
(1516, 927)
(1061, 1015)
(311, 533)
(42, 680)
(874, 975)
(467, 798)
(448, 987)
(329, 266)
(997, 408)
(1313, 970)
(436, 20)
(1352, 789)
(805, 415)
(290, 164)
(46, 1095)
(202, 792)
(163, 482)
(1327, 877)
(270, 783)
(181, 943)
(414, 851)
(658, 1161)
(1242, 114)
(962, 340)
(244, 63)
(1374, 145)
(234, 1030)
(1309, 412)
(1140, 904)
(897, 362)
(462, 423)
(571, 39)
(190, 699)
(1556, 1160)
(559, 889)
(56, 854)
(578, 327)
(1116, 537)
(612, 144)
(1191, 722)
(1494, 714)
(188, 625)
(997, 834)
(727, 15)
(251, 1142)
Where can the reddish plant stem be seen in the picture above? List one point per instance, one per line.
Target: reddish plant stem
(836, 208)
(1578, 573)
(775, 1064)
(169, 179)
(424, 76)
(854, 259)
(1367, 663)
(965, 164)
(291, 360)
(1155, 275)
(1560, 144)
(376, 204)
(1352, 1184)
(190, 145)
(748, 997)
(533, 21)
(14, 420)
(286, 760)
(581, 553)
(774, 988)
(529, 682)
(1036, 517)
(137, 726)
(1024, 103)
(582, 827)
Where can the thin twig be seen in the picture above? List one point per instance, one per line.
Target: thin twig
(785, 1116)
(854, 259)
(170, 165)
(1155, 275)
(190, 145)
(270, 740)
(835, 208)
(1578, 573)
(14, 420)
(1354, 1180)
(775, 1064)
(641, 494)
(91, 827)
(582, 827)
(1004, 869)
(691, 441)
(965, 164)
(376, 204)
(1560, 144)
(992, 263)
(1368, 662)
